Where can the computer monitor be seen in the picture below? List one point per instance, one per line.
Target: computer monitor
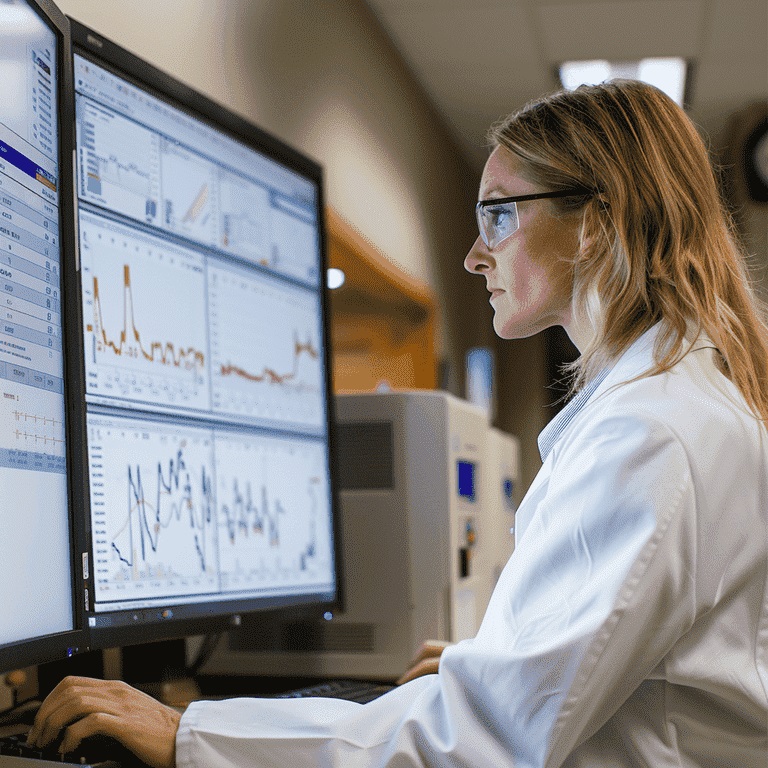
(205, 365)
(40, 597)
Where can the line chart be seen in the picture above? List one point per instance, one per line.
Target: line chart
(118, 162)
(273, 512)
(39, 431)
(32, 421)
(264, 371)
(171, 503)
(270, 375)
(178, 511)
(244, 518)
(144, 310)
(129, 342)
(153, 518)
(189, 193)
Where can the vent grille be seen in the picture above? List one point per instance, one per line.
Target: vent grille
(308, 637)
(347, 638)
(366, 456)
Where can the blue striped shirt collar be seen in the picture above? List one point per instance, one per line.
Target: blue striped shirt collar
(552, 432)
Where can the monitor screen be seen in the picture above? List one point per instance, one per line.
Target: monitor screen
(205, 361)
(36, 545)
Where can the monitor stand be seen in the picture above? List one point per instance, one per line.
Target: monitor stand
(160, 669)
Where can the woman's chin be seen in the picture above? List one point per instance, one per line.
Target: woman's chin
(515, 328)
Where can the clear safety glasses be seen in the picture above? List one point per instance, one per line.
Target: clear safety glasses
(497, 218)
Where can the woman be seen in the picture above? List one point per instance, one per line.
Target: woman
(630, 627)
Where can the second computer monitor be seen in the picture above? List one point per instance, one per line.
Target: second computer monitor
(205, 363)
(39, 595)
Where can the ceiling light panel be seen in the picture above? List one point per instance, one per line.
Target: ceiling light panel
(667, 74)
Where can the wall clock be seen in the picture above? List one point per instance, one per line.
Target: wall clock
(755, 159)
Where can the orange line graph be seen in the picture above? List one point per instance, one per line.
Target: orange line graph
(130, 343)
(270, 375)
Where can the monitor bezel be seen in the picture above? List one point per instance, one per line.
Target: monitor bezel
(60, 645)
(196, 619)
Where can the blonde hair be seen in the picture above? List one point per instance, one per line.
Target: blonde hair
(657, 243)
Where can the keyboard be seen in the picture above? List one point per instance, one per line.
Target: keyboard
(361, 691)
(15, 752)
(94, 753)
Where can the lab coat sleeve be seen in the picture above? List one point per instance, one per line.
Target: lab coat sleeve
(598, 589)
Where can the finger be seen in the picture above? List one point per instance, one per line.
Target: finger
(143, 725)
(48, 706)
(65, 713)
(428, 649)
(424, 667)
(79, 704)
(96, 724)
(48, 724)
(62, 693)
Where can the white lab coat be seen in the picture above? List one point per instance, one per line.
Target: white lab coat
(629, 628)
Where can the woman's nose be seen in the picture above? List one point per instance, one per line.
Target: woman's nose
(477, 259)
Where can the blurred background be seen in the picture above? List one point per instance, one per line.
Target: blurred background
(394, 98)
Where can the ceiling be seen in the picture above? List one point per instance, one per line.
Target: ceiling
(478, 60)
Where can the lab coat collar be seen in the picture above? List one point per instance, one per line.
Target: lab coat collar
(639, 358)
(636, 360)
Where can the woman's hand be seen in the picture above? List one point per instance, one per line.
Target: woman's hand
(426, 661)
(87, 707)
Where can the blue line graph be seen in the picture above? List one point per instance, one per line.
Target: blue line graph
(174, 502)
(244, 518)
(181, 512)
(153, 510)
(272, 503)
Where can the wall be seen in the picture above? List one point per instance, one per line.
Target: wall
(324, 78)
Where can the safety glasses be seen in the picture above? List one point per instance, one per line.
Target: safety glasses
(497, 218)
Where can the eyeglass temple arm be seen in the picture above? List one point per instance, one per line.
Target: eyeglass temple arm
(537, 196)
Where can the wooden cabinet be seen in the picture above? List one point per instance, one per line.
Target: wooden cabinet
(382, 320)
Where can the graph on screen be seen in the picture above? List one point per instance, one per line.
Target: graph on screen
(271, 500)
(31, 357)
(145, 324)
(188, 192)
(182, 511)
(260, 369)
(204, 360)
(295, 245)
(245, 216)
(32, 434)
(152, 510)
(38, 430)
(119, 162)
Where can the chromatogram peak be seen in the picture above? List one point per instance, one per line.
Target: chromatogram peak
(129, 342)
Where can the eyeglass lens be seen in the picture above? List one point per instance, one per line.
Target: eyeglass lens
(497, 222)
